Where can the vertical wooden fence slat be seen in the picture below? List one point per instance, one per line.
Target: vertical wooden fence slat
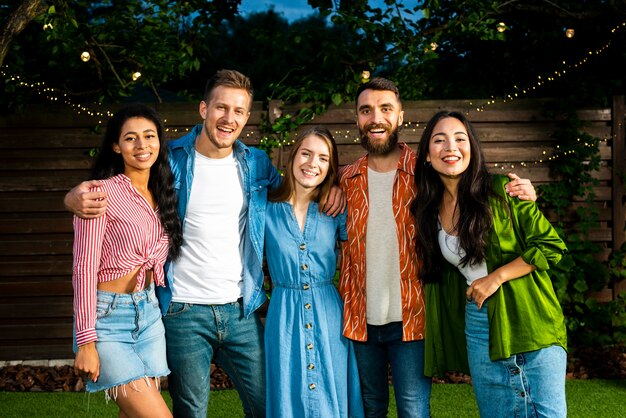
(619, 170)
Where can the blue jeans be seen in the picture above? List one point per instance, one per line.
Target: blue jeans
(384, 346)
(195, 334)
(528, 384)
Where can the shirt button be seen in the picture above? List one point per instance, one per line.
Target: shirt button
(311, 366)
(305, 267)
(302, 247)
(309, 346)
(312, 386)
(307, 306)
(308, 325)
(306, 286)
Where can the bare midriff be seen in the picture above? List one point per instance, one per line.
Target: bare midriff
(127, 283)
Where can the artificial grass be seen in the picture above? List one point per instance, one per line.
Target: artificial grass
(585, 398)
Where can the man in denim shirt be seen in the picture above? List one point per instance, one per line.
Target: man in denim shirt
(216, 285)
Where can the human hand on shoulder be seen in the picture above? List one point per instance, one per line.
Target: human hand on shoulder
(520, 188)
(84, 203)
(336, 202)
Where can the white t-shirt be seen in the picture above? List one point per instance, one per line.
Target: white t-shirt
(209, 269)
(382, 253)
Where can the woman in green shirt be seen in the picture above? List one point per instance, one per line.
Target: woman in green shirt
(485, 257)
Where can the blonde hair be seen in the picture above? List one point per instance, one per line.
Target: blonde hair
(228, 78)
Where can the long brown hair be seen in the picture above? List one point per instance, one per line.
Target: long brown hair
(286, 189)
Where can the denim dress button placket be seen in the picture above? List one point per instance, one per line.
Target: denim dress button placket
(307, 298)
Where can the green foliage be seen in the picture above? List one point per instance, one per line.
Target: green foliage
(157, 38)
(580, 272)
(434, 49)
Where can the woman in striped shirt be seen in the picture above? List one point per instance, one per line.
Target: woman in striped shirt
(118, 259)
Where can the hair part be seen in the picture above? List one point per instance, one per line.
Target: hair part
(228, 78)
(474, 189)
(285, 191)
(161, 181)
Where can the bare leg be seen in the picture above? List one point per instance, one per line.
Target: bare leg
(137, 399)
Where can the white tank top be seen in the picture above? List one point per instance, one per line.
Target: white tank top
(453, 253)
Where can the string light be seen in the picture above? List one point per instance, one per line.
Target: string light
(54, 95)
(541, 81)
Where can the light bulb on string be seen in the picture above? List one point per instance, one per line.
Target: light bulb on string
(569, 32)
(85, 56)
(136, 75)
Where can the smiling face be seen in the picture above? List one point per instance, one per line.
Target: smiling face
(379, 114)
(449, 148)
(225, 115)
(138, 144)
(310, 164)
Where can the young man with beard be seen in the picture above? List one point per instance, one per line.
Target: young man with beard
(382, 293)
(216, 285)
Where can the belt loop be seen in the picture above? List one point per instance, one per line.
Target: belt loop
(114, 302)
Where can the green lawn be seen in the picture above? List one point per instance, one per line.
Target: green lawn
(586, 398)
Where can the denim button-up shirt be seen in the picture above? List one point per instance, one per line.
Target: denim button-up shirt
(257, 175)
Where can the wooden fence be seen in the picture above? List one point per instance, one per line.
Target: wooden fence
(44, 151)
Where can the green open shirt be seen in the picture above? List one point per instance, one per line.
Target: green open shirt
(524, 313)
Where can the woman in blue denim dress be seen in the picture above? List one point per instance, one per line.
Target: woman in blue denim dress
(311, 368)
(485, 259)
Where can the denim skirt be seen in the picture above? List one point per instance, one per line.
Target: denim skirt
(131, 338)
(527, 385)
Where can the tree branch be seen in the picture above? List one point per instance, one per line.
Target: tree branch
(17, 21)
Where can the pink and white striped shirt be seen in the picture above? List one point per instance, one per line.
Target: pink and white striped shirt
(128, 236)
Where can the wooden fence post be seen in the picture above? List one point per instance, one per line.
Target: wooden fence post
(619, 170)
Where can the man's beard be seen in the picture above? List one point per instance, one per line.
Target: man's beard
(383, 148)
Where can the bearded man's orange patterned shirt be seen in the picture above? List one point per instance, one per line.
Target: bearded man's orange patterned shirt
(353, 181)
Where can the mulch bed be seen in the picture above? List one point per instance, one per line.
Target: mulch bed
(588, 363)
(21, 378)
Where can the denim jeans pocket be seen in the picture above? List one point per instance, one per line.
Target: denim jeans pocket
(104, 308)
(176, 308)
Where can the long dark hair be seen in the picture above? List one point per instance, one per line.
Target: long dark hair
(161, 181)
(284, 192)
(475, 219)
